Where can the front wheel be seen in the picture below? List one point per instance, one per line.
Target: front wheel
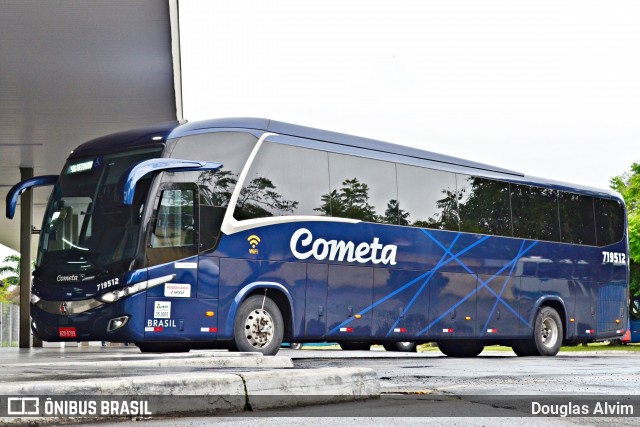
(455, 348)
(258, 326)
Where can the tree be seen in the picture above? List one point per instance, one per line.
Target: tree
(351, 201)
(258, 199)
(628, 185)
(218, 186)
(11, 269)
(394, 214)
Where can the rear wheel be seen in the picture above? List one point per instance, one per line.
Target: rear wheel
(547, 335)
(258, 326)
(406, 346)
(524, 348)
(355, 345)
(460, 348)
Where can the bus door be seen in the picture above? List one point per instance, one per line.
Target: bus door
(611, 308)
(173, 311)
(316, 301)
(612, 300)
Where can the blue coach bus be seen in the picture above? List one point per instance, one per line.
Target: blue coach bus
(239, 233)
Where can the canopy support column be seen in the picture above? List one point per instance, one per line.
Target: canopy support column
(26, 220)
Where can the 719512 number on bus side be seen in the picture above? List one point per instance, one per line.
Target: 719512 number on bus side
(616, 258)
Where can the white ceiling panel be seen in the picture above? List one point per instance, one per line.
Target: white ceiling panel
(71, 71)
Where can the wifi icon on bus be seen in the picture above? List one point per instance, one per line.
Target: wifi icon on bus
(253, 241)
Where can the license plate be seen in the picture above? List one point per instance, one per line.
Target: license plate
(67, 332)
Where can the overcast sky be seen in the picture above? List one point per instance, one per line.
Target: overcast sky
(548, 88)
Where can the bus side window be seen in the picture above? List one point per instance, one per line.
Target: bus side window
(174, 231)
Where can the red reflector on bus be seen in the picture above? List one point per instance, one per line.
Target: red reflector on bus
(447, 330)
(400, 330)
(590, 331)
(492, 331)
(346, 329)
(67, 332)
(208, 329)
(153, 329)
(627, 336)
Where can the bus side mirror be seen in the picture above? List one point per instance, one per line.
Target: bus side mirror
(137, 171)
(22, 186)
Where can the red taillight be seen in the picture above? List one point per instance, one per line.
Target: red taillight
(627, 336)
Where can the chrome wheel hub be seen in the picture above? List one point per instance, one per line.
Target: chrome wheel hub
(259, 328)
(549, 332)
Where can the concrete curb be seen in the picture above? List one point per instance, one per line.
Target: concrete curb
(211, 392)
(256, 360)
(272, 389)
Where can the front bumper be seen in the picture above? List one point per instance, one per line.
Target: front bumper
(90, 325)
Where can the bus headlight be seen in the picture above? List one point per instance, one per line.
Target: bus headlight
(34, 299)
(114, 296)
(117, 323)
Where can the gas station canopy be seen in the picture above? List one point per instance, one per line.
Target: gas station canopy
(75, 70)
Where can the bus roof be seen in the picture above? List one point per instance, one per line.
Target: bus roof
(336, 138)
(149, 135)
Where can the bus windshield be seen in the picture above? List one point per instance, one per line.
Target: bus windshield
(87, 231)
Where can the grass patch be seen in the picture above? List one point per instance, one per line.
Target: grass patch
(596, 346)
(432, 347)
(600, 346)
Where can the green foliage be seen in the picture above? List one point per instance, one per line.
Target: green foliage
(628, 185)
(11, 270)
(9, 296)
(634, 237)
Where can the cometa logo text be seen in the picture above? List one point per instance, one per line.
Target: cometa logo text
(339, 250)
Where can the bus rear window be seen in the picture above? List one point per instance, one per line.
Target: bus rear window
(609, 221)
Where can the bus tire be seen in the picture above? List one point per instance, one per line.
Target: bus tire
(355, 345)
(258, 326)
(405, 346)
(524, 348)
(547, 335)
(456, 348)
(547, 332)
